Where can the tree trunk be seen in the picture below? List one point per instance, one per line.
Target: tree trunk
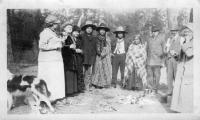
(10, 60)
(172, 15)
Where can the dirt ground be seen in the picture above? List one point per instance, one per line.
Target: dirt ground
(110, 100)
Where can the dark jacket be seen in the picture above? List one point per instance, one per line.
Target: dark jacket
(79, 56)
(69, 55)
(100, 44)
(89, 49)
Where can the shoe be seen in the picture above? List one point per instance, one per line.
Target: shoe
(147, 91)
(113, 85)
(43, 111)
(61, 102)
(154, 93)
(169, 93)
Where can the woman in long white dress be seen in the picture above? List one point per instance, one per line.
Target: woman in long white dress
(50, 62)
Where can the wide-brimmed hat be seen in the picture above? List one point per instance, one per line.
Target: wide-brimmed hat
(175, 28)
(67, 23)
(120, 29)
(76, 28)
(52, 20)
(188, 26)
(155, 28)
(103, 26)
(88, 24)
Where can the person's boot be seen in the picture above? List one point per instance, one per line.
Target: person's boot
(113, 85)
(87, 87)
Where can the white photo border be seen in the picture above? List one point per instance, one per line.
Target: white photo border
(107, 4)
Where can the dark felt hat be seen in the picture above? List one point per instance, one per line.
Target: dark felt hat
(88, 24)
(155, 28)
(76, 28)
(103, 26)
(120, 29)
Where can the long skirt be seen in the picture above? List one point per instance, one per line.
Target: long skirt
(53, 73)
(102, 72)
(133, 81)
(71, 82)
(182, 98)
(80, 76)
(80, 79)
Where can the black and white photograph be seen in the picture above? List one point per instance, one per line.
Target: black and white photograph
(68, 60)
(96, 60)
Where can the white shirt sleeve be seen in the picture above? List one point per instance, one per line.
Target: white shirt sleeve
(182, 40)
(48, 41)
(167, 45)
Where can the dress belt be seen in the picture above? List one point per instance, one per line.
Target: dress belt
(50, 50)
(119, 53)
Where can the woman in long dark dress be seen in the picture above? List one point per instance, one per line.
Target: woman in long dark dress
(70, 61)
(79, 58)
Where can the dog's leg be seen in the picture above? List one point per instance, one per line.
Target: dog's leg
(14, 101)
(9, 101)
(36, 103)
(43, 98)
(46, 100)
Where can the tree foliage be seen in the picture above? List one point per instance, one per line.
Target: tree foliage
(26, 24)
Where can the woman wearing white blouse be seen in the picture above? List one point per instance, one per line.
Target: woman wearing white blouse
(50, 62)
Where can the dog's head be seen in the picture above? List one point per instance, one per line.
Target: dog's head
(14, 83)
(27, 80)
(19, 82)
(38, 83)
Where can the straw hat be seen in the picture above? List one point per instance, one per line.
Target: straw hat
(103, 26)
(67, 23)
(52, 20)
(120, 29)
(88, 24)
(175, 28)
(188, 26)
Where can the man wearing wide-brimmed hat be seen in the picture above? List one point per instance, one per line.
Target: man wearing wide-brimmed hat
(155, 55)
(89, 51)
(119, 48)
(173, 49)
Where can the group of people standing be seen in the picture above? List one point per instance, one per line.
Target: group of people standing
(75, 62)
(79, 61)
